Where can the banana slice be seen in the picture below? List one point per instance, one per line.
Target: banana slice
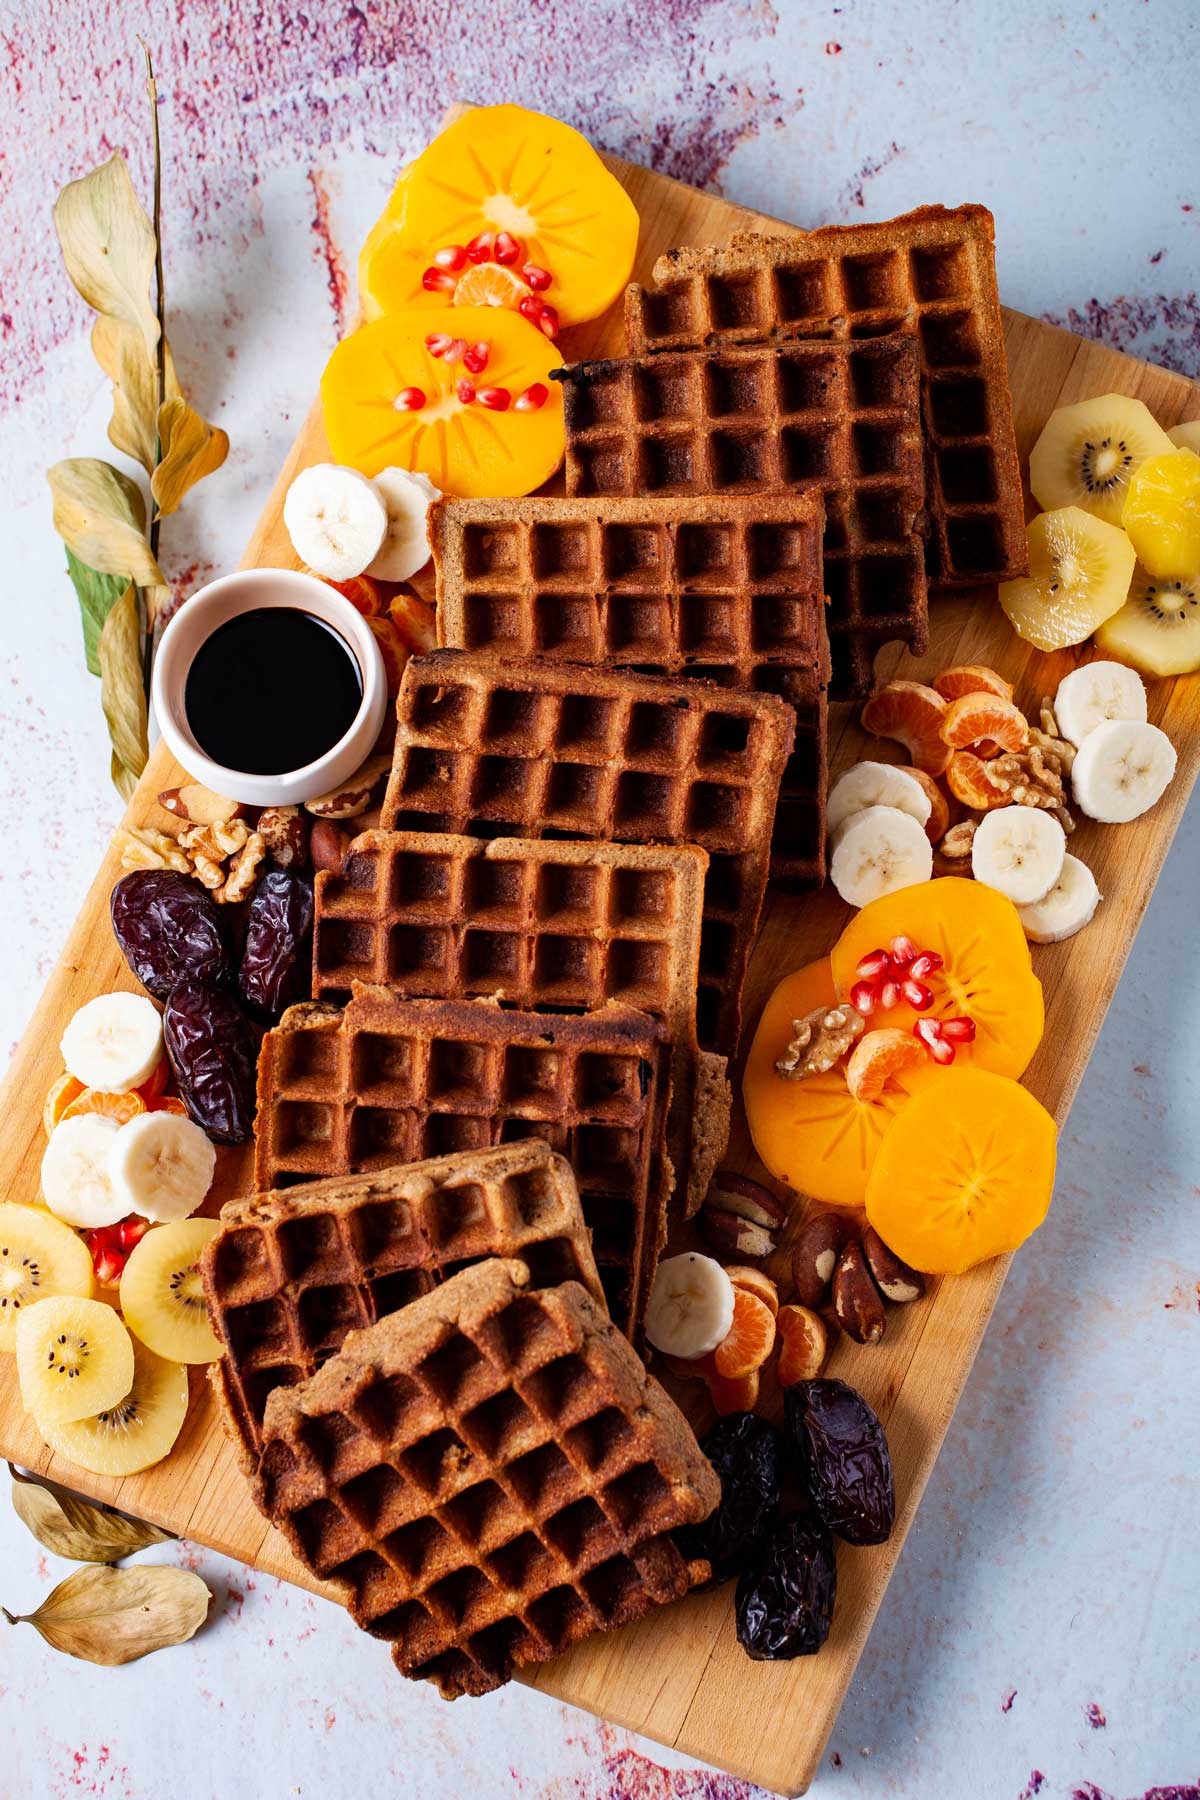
(877, 851)
(1066, 909)
(114, 1042)
(1158, 628)
(1019, 851)
(690, 1308)
(876, 784)
(405, 547)
(1186, 436)
(1088, 452)
(1079, 575)
(76, 1184)
(1096, 692)
(1120, 770)
(161, 1166)
(336, 519)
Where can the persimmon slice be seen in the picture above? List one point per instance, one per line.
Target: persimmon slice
(911, 713)
(972, 718)
(812, 1134)
(964, 1173)
(967, 779)
(971, 678)
(389, 401)
(749, 1340)
(986, 974)
(879, 1057)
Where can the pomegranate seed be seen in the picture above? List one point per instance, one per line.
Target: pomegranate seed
(926, 962)
(507, 249)
(438, 342)
(109, 1266)
(409, 400)
(538, 278)
(961, 1030)
(903, 951)
(530, 307)
(916, 993)
(930, 1033)
(466, 392)
(475, 357)
(534, 397)
(874, 964)
(864, 998)
(496, 399)
(438, 280)
(479, 250)
(450, 256)
(889, 994)
(131, 1232)
(456, 351)
(547, 322)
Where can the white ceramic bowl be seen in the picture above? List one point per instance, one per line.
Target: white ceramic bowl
(196, 621)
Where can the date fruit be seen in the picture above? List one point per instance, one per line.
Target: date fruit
(785, 1597)
(169, 930)
(212, 1049)
(844, 1458)
(278, 948)
(747, 1454)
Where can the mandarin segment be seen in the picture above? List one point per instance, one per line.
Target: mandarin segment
(912, 714)
(976, 718)
(971, 678)
(749, 1340)
(938, 822)
(59, 1096)
(118, 1107)
(965, 1172)
(967, 779)
(879, 1057)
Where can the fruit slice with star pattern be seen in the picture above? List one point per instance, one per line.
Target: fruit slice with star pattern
(389, 400)
(813, 1134)
(505, 170)
(986, 974)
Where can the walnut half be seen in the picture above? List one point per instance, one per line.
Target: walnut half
(819, 1040)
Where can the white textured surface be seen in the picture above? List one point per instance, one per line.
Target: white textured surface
(1053, 1567)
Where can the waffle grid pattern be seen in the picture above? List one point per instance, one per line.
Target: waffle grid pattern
(931, 274)
(388, 1080)
(486, 1478)
(840, 418)
(290, 1274)
(531, 750)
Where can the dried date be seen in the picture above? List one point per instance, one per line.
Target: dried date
(844, 1458)
(747, 1454)
(785, 1598)
(169, 930)
(278, 947)
(212, 1049)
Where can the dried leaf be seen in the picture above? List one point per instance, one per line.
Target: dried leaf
(75, 1528)
(122, 694)
(191, 449)
(122, 353)
(112, 1616)
(108, 245)
(97, 594)
(100, 514)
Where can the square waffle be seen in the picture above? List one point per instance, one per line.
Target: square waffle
(727, 588)
(290, 1274)
(531, 750)
(486, 1478)
(389, 1080)
(840, 418)
(544, 925)
(930, 273)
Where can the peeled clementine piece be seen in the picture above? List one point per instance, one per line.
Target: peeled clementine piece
(749, 1340)
(967, 780)
(58, 1098)
(733, 1394)
(881, 1056)
(974, 717)
(911, 713)
(389, 401)
(152, 1090)
(118, 1107)
(504, 169)
(986, 973)
(965, 1172)
(812, 1134)
(938, 822)
(971, 678)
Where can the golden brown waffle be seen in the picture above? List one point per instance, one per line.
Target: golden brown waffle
(289, 1274)
(389, 1080)
(544, 925)
(486, 1478)
(531, 750)
(930, 273)
(727, 588)
(843, 419)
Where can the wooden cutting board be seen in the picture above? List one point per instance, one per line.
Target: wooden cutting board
(680, 1676)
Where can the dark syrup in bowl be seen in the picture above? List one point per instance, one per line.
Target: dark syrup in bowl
(272, 690)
